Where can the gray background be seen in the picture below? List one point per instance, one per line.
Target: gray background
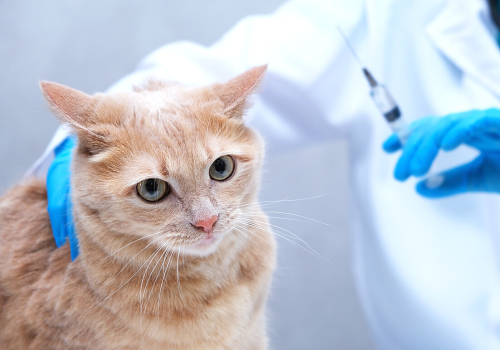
(90, 44)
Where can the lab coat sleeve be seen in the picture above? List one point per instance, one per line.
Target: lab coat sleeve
(299, 42)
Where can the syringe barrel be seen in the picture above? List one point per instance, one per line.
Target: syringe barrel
(385, 103)
(390, 110)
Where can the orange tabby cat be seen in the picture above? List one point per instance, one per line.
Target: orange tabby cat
(174, 253)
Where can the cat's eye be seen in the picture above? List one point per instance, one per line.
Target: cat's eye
(152, 190)
(222, 168)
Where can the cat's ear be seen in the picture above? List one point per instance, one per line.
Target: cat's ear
(73, 107)
(235, 92)
(77, 110)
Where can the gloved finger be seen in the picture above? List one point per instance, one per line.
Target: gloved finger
(428, 148)
(66, 146)
(392, 144)
(417, 132)
(481, 131)
(402, 170)
(449, 183)
(58, 187)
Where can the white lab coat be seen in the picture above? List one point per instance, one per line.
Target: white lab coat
(425, 269)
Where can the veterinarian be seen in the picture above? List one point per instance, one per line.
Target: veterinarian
(427, 271)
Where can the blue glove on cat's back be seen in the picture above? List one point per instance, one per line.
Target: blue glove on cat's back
(60, 207)
(478, 129)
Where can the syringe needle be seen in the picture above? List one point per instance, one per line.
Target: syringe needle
(369, 77)
(382, 98)
(350, 47)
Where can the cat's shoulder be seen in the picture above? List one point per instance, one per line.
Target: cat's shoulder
(22, 205)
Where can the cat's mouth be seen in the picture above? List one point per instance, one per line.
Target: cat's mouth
(207, 245)
(207, 241)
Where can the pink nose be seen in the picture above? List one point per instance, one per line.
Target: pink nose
(207, 224)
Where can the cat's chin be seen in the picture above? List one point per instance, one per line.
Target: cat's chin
(204, 247)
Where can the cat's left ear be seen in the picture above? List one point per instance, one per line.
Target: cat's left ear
(235, 92)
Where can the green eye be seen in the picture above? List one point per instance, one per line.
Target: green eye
(222, 168)
(152, 190)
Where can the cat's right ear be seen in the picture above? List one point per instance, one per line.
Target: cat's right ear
(77, 110)
(71, 106)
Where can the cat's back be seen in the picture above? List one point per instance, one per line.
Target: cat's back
(28, 255)
(26, 240)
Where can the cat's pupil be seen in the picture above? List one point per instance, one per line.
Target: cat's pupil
(151, 186)
(220, 166)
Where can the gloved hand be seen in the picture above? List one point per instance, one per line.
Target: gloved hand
(478, 129)
(60, 207)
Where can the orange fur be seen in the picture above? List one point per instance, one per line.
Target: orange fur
(142, 279)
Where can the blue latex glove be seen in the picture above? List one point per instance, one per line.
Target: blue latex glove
(478, 129)
(60, 206)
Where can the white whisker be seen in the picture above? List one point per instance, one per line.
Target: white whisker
(263, 204)
(116, 291)
(131, 259)
(288, 238)
(137, 240)
(151, 258)
(158, 275)
(291, 214)
(165, 272)
(178, 281)
(250, 238)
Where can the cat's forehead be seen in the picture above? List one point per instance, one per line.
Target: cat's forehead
(169, 104)
(173, 104)
(179, 121)
(154, 101)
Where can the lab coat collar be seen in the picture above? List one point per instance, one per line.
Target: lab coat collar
(463, 32)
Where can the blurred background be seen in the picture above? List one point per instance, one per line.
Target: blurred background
(88, 45)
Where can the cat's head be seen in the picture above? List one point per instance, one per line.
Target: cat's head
(172, 163)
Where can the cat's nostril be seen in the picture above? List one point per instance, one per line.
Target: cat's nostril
(207, 224)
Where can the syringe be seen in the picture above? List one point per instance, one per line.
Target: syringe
(383, 99)
(388, 107)
(392, 114)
